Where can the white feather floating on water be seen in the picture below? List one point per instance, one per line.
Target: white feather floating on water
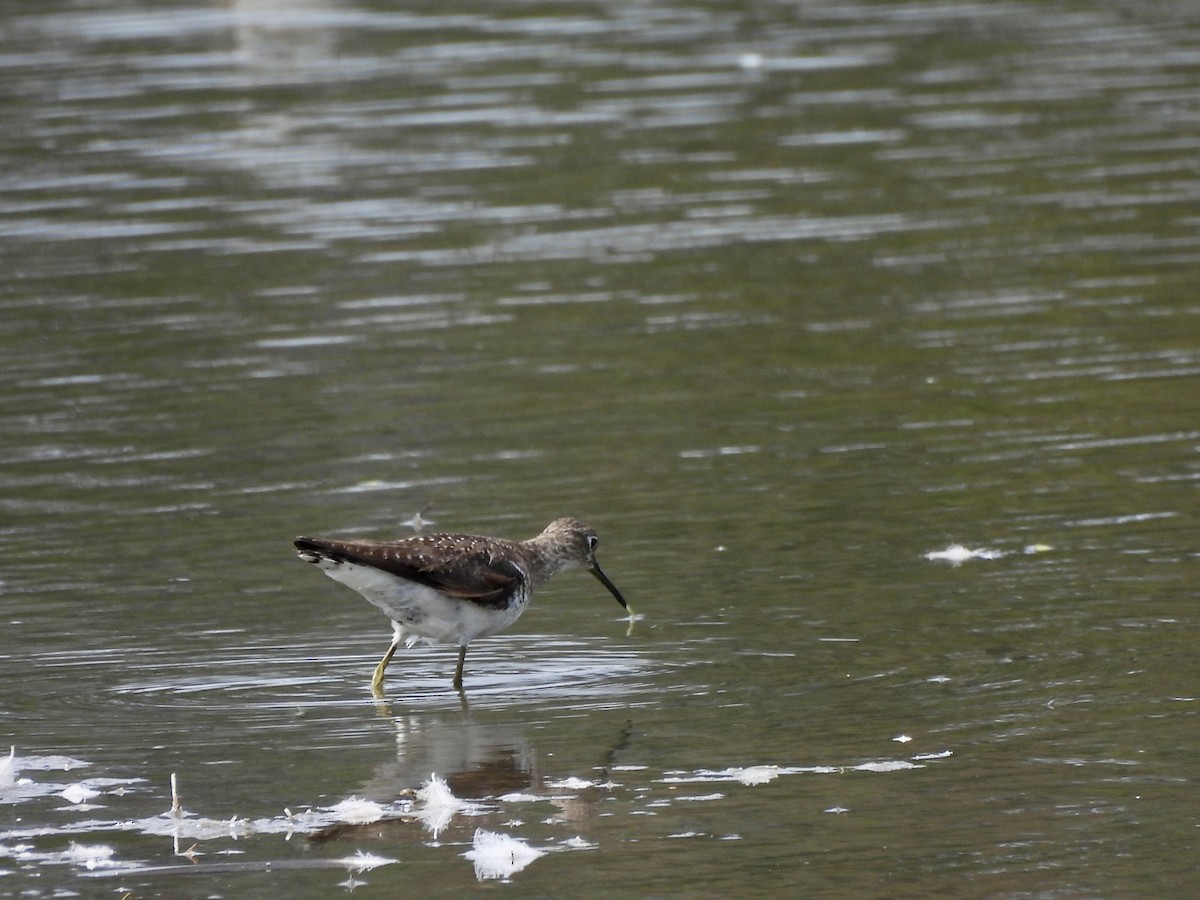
(364, 862)
(8, 768)
(435, 792)
(497, 856)
(438, 804)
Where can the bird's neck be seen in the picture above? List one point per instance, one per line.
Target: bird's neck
(544, 561)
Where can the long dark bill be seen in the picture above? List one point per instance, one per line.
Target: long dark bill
(612, 588)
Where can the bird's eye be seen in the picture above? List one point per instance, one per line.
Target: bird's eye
(592, 541)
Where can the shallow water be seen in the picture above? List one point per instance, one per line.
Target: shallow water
(787, 302)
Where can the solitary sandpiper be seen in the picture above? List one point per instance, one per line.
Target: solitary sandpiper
(454, 587)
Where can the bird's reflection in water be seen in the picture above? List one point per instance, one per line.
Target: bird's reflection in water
(477, 761)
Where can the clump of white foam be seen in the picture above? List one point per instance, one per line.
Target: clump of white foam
(78, 793)
(518, 797)
(752, 775)
(957, 554)
(887, 765)
(356, 811)
(90, 856)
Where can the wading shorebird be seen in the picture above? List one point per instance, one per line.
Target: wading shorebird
(454, 587)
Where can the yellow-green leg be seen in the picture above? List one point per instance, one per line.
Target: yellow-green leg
(462, 657)
(377, 677)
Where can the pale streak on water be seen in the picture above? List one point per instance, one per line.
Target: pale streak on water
(864, 332)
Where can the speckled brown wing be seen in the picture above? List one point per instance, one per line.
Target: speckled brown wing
(459, 566)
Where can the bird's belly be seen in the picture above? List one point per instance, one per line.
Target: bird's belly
(422, 611)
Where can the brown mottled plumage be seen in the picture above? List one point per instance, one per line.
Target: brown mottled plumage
(454, 587)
